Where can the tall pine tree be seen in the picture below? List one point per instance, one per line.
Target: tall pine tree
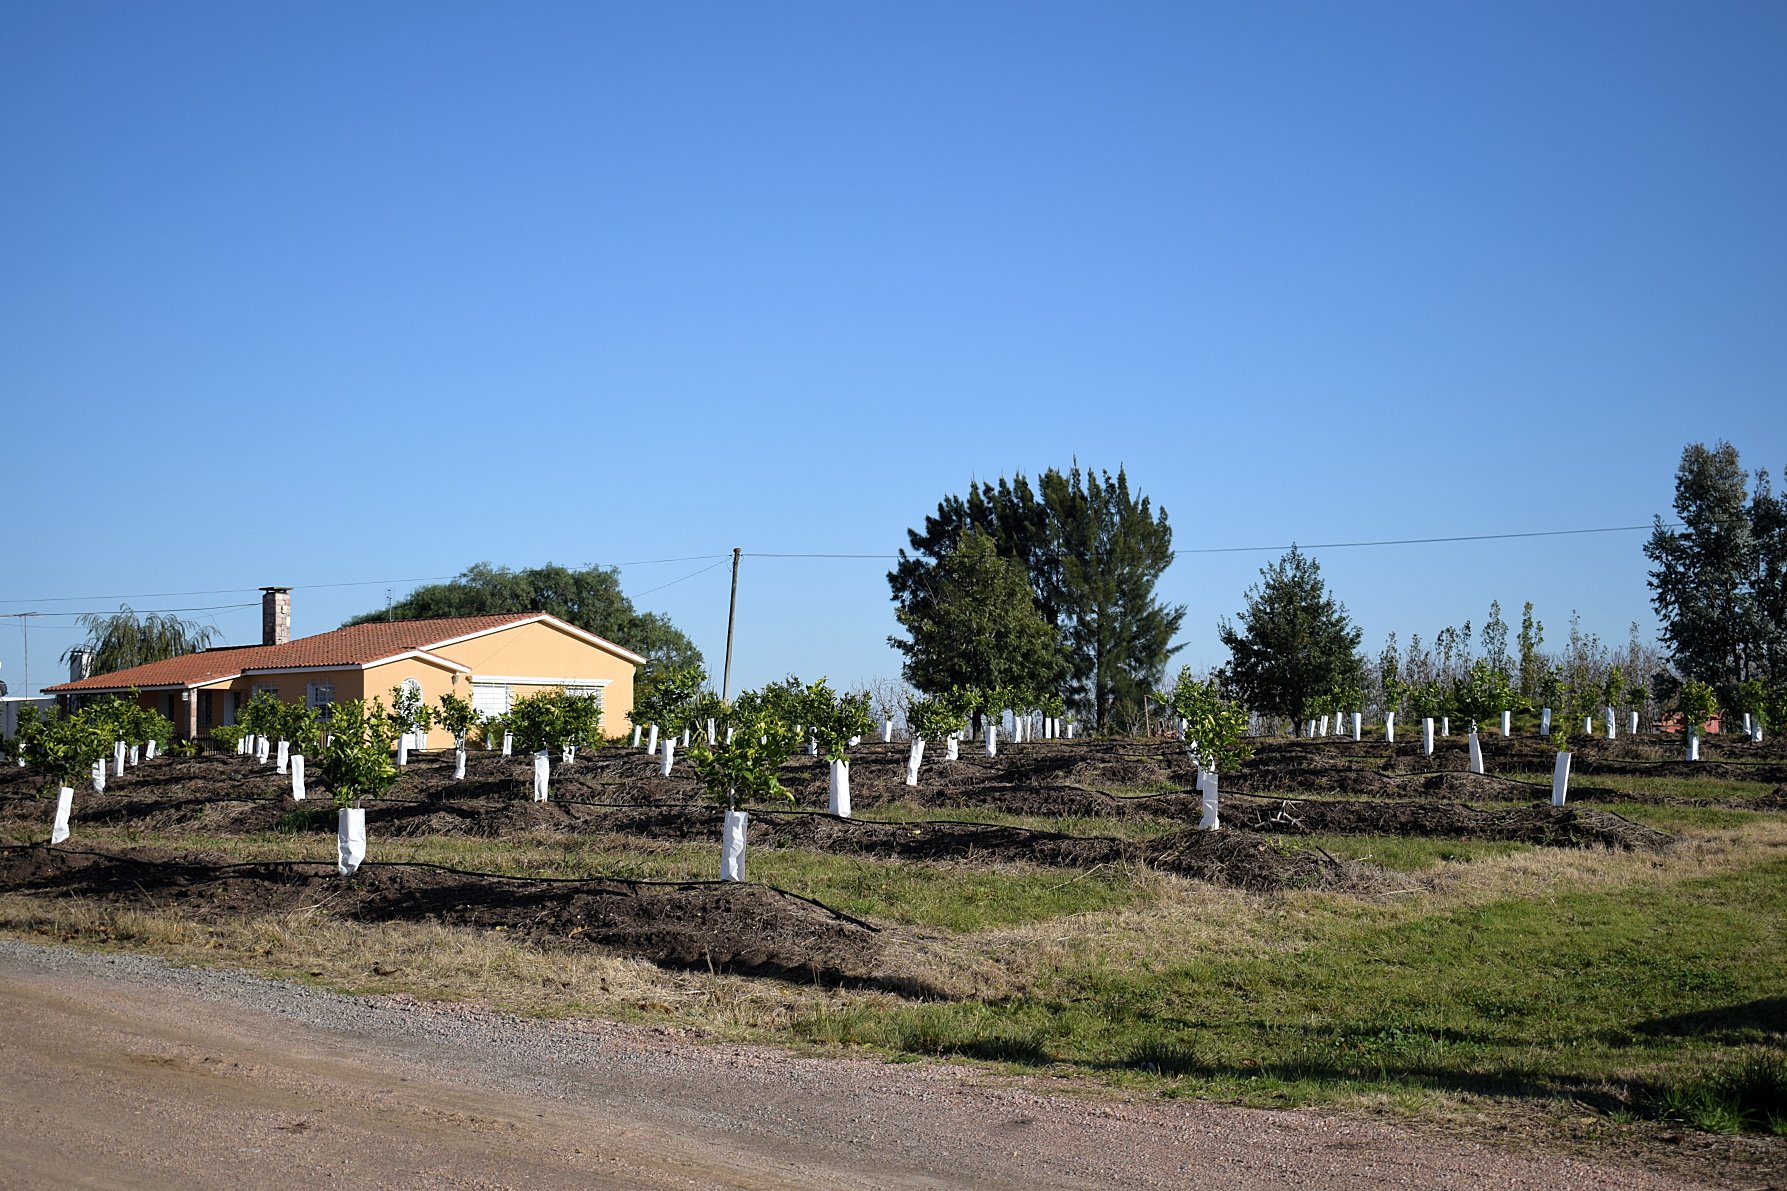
(1295, 643)
(1092, 552)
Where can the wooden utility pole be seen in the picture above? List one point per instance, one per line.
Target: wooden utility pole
(731, 619)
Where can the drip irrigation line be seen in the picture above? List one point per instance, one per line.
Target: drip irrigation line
(460, 872)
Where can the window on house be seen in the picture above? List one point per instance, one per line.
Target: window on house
(586, 690)
(205, 698)
(489, 698)
(319, 697)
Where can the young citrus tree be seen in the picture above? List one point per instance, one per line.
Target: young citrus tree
(743, 762)
(357, 762)
(1215, 728)
(670, 697)
(833, 720)
(458, 717)
(357, 765)
(929, 719)
(63, 749)
(1481, 692)
(1699, 704)
(554, 720)
(409, 714)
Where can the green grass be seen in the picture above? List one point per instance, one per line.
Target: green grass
(1520, 998)
(1676, 818)
(1667, 787)
(1406, 855)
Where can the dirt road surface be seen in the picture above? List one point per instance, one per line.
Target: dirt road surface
(123, 1072)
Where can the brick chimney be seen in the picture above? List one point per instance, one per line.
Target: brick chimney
(276, 615)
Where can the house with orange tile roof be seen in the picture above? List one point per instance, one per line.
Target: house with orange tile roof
(490, 660)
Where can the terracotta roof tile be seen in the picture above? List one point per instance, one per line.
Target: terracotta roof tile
(352, 646)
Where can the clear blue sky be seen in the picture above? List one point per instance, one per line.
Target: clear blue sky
(326, 293)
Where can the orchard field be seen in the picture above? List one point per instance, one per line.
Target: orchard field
(1372, 929)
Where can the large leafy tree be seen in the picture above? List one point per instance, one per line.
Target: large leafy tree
(1716, 581)
(127, 638)
(1092, 552)
(591, 599)
(1294, 643)
(974, 623)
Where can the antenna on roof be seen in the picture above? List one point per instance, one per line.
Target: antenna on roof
(387, 603)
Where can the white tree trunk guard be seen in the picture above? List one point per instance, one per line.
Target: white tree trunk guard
(542, 775)
(297, 777)
(1560, 779)
(840, 788)
(350, 840)
(913, 760)
(1476, 753)
(732, 846)
(64, 804)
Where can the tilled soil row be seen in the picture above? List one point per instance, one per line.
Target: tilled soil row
(742, 927)
(1236, 859)
(1551, 826)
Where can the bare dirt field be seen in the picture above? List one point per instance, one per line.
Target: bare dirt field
(128, 1073)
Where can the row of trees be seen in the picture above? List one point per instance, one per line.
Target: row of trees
(64, 748)
(590, 598)
(1295, 656)
(1044, 588)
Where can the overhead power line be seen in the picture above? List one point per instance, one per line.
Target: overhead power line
(154, 595)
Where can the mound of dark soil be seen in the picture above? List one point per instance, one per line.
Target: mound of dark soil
(983, 842)
(1241, 859)
(1553, 826)
(742, 927)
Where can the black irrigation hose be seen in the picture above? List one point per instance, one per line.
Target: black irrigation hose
(445, 869)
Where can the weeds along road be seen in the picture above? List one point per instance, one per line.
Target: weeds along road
(123, 1072)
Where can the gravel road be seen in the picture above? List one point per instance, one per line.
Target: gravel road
(119, 1071)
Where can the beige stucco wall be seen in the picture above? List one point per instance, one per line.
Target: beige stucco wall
(540, 650)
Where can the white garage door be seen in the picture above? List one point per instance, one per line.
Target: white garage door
(490, 699)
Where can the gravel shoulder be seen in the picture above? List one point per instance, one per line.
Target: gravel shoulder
(124, 1072)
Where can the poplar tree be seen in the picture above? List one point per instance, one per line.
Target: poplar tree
(1711, 582)
(1294, 643)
